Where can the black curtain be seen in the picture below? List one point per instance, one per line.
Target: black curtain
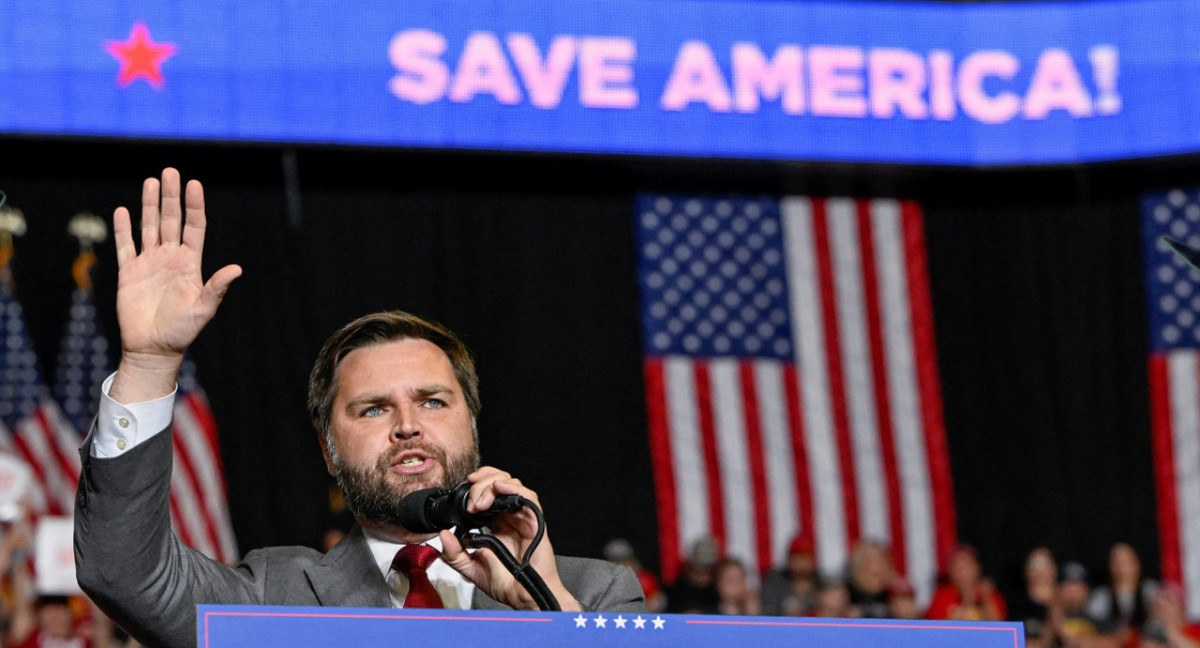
(1042, 348)
(1037, 288)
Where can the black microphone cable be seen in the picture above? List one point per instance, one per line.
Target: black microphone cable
(433, 509)
(523, 571)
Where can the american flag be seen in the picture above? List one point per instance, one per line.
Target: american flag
(1173, 300)
(199, 509)
(82, 362)
(791, 380)
(35, 428)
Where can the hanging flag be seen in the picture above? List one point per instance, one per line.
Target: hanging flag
(1173, 301)
(35, 427)
(791, 380)
(82, 353)
(199, 509)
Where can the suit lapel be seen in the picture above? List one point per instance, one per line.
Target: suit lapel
(347, 576)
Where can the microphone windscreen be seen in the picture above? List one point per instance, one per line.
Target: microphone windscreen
(415, 508)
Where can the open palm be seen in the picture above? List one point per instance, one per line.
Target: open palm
(162, 300)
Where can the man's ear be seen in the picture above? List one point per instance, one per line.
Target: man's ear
(325, 454)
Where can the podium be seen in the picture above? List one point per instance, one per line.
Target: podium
(221, 626)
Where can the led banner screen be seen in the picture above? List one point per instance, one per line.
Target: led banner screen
(220, 626)
(892, 82)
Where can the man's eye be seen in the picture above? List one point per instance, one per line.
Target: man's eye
(435, 403)
(373, 410)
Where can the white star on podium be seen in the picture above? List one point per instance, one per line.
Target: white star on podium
(620, 621)
(658, 623)
(580, 622)
(639, 622)
(601, 621)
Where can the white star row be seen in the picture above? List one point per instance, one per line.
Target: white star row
(620, 622)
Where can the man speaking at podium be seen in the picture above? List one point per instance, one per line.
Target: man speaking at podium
(394, 399)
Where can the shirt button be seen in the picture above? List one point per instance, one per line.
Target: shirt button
(123, 422)
(121, 444)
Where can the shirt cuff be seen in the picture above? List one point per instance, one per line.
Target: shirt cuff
(121, 427)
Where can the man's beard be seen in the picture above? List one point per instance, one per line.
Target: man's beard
(373, 494)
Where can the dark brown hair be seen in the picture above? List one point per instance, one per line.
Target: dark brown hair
(380, 328)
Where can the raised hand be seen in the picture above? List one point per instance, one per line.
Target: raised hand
(515, 530)
(162, 300)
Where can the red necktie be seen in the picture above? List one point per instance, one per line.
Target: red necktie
(413, 560)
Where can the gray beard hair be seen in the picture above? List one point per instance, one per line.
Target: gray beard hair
(373, 494)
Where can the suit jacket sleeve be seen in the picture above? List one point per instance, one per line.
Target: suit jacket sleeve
(129, 561)
(601, 586)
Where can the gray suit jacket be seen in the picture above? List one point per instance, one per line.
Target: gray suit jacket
(141, 575)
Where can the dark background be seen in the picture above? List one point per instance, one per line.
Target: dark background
(1036, 279)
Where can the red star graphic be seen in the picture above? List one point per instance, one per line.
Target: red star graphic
(140, 57)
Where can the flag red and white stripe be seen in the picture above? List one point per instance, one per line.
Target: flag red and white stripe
(46, 442)
(1174, 377)
(35, 428)
(824, 418)
(199, 509)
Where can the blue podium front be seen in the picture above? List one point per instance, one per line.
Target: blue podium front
(222, 626)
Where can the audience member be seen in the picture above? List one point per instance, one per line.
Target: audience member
(695, 591)
(833, 600)
(871, 574)
(1120, 605)
(791, 590)
(735, 594)
(966, 595)
(58, 621)
(16, 578)
(1166, 622)
(1068, 622)
(902, 600)
(1041, 588)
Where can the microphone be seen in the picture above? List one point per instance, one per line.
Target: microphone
(432, 509)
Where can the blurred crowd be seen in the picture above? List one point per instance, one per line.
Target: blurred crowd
(33, 619)
(1060, 605)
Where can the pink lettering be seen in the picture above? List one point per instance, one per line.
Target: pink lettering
(606, 73)
(422, 76)
(1105, 68)
(780, 79)
(941, 85)
(544, 80)
(696, 77)
(482, 69)
(974, 99)
(836, 74)
(1056, 86)
(897, 81)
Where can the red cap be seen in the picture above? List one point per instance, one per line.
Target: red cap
(801, 544)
